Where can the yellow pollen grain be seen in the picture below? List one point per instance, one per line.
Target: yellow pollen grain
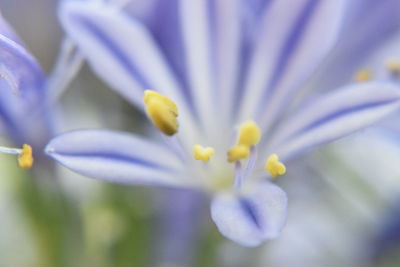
(25, 159)
(274, 166)
(162, 112)
(249, 134)
(238, 152)
(202, 153)
(363, 75)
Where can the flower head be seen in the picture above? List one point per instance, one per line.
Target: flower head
(233, 80)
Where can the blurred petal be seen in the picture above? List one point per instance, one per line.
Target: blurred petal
(21, 89)
(256, 215)
(292, 42)
(7, 31)
(380, 22)
(116, 157)
(336, 115)
(18, 67)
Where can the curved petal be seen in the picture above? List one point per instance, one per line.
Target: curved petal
(256, 215)
(117, 157)
(292, 42)
(21, 88)
(7, 31)
(335, 115)
(130, 59)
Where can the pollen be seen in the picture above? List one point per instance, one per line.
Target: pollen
(250, 134)
(274, 166)
(162, 112)
(363, 75)
(25, 158)
(238, 152)
(203, 153)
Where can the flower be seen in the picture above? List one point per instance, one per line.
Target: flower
(27, 95)
(223, 77)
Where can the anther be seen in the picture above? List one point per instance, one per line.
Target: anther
(363, 75)
(249, 134)
(162, 112)
(203, 153)
(274, 166)
(238, 152)
(25, 158)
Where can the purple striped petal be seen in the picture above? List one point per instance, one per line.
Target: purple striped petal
(253, 217)
(117, 157)
(292, 42)
(335, 115)
(130, 60)
(124, 53)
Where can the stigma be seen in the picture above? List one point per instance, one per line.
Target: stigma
(274, 166)
(162, 112)
(249, 136)
(203, 153)
(25, 157)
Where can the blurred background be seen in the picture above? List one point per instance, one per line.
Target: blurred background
(344, 205)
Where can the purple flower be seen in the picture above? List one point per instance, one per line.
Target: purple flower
(233, 69)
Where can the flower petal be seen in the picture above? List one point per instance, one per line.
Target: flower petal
(129, 65)
(21, 88)
(292, 42)
(7, 31)
(117, 157)
(252, 217)
(335, 115)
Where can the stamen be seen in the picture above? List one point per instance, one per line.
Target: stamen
(252, 161)
(203, 153)
(238, 174)
(238, 152)
(162, 111)
(274, 166)
(249, 136)
(25, 158)
(363, 75)
(393, 66)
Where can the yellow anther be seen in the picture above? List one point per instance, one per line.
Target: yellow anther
(238, 152)
(274, 166)
(249, 134)
(363, 75)
(203, 153)
(393, 66)
(25, 159)
(162, 111)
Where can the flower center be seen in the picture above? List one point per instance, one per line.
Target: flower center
(163, 113)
